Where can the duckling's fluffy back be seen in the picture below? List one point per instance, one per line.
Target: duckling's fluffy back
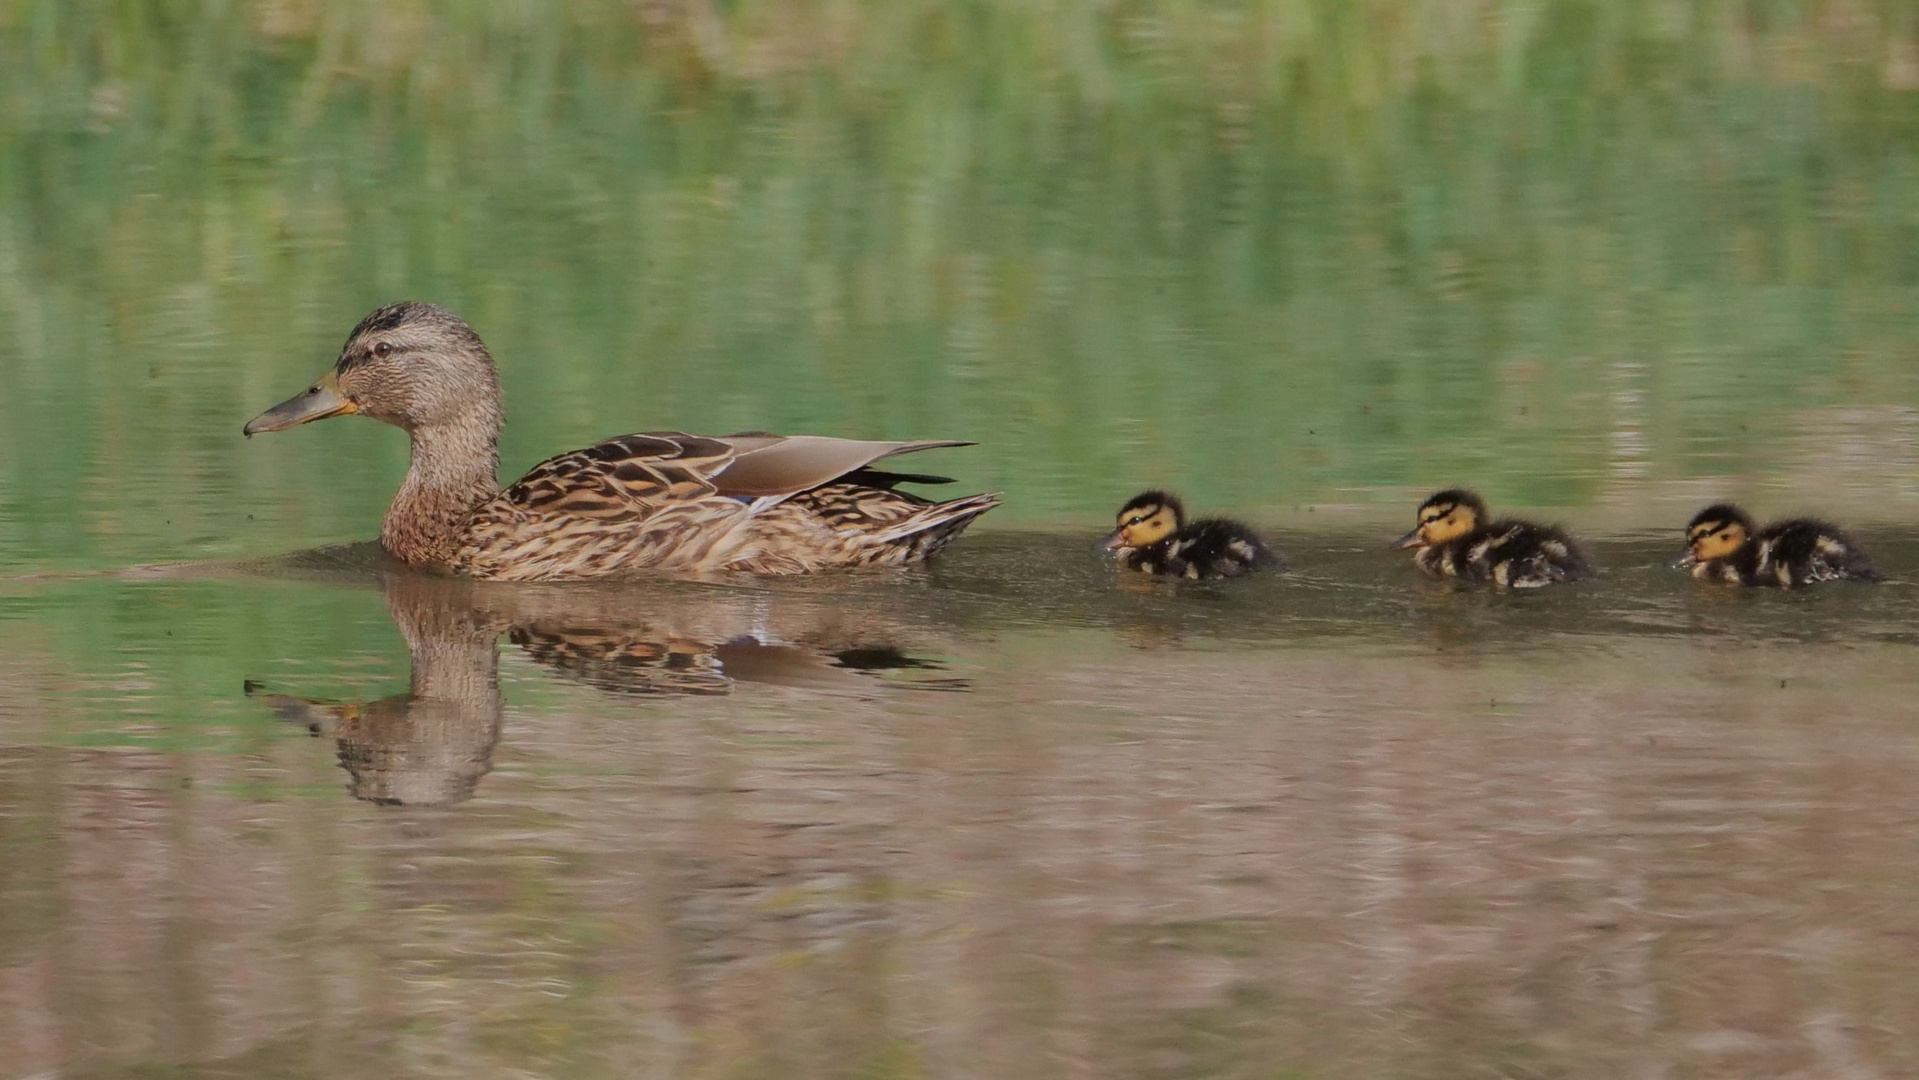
(1208, 548)
(1512, 553)
(1803, 550)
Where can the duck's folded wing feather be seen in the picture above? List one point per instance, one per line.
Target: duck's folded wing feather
(611, 476)
(770, 466)
(651, 467)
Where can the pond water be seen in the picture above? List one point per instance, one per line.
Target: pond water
(270, 806)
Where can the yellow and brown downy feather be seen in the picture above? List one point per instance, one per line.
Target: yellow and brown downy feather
(1153, 537)
(1724, 544)
(662, 500)
(1456, 540)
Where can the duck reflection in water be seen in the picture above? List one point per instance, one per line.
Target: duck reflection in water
(641, 662)
(431, 745)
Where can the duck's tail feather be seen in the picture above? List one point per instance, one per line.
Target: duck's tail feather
(935, 526)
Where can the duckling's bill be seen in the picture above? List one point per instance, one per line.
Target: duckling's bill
(317, 402)
(1410, 540)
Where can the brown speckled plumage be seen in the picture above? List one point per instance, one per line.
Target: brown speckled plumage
(649, 501)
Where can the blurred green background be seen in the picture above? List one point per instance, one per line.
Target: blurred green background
(1618, 256)
(1609, 259)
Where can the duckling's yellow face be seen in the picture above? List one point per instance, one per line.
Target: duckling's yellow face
(1141, 526)
(1438, 523)
(1713, 539)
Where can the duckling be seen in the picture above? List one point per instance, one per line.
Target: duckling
(1154, 537)
(1455, 540)
(1723, 544)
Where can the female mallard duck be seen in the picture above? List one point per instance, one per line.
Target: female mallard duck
(1724, 544)
(652, 501)
(1455, 540)
(1154, 537)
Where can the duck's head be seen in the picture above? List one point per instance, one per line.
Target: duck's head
(411, 364)
(1714, 533)
(1443, 516)
(1147, 518)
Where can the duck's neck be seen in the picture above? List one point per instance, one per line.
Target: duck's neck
(453, 471)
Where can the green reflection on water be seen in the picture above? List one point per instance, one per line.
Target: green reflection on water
(1272, 253)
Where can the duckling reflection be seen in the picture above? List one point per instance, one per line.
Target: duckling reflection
(431, 745)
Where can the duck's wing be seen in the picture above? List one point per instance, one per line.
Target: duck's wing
(614, 476)
(887, 479)
(659, 466)
(775, 466)
(655, 499)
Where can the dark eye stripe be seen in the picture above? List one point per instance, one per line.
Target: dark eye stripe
(361, 356)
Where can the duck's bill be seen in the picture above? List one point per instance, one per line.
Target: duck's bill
(1411, 539)
(319, 401)
(1685, 560)
(1110, 542)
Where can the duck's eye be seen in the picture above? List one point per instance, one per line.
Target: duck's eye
(382, 349)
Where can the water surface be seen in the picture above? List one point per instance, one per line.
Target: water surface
(1011, 814)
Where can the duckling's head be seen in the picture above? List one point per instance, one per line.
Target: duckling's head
(411, 364)
(1443, 516)
(1714, 533)
(1147, 518)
